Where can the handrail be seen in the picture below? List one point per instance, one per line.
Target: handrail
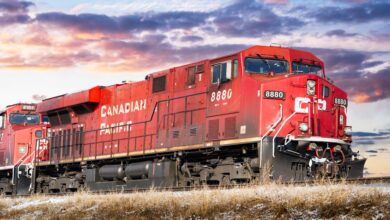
(154, 110)
(128, 126)
(268, 132)
(276, 134)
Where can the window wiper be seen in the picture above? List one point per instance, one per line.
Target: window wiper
(266, 62)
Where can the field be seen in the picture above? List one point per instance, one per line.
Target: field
(270, 201)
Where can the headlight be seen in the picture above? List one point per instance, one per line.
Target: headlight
(348, 130)
(303, 127)
(311, 87)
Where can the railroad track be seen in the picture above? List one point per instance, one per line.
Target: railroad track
(367, 180)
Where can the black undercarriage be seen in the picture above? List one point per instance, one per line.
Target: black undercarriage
(254, 162)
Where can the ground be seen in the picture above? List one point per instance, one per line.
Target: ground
(270, 201)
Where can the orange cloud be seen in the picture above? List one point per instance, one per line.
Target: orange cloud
(360, 98)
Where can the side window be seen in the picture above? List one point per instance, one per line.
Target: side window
(235, 68)
(53, 118)
(45, 119)
(159, 84)
(64, 117)
(325, 91)
(221, 72)
(216, 72)
(191, 76)
(2, 121)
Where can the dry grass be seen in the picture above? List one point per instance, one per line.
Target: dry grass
(271, 201)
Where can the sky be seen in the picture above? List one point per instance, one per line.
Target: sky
(48, 48)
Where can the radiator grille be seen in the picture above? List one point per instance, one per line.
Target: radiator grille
(230, 127)
(193, 131)
(175, 134)
(213, 129)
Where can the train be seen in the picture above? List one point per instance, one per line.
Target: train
(262, 113)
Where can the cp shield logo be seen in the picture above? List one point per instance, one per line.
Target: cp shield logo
(302, 104)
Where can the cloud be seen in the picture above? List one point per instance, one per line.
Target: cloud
(191, 38)
(151, 21)
(242, 18)
(14, 19)
(351, 1)
(370, 134)
(339, 33)
(137, 41)
(14, 6)
(369, 87)
(372, 11)
(142, 55)
(369, 138)
(348, 69)
(38, 97)
(49, 60)
(13, 12)
(276, 1)
(252, 19)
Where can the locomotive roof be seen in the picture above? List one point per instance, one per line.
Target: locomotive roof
(272, 49)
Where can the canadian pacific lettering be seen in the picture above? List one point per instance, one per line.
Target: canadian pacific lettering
(123, 108)
(107, 111)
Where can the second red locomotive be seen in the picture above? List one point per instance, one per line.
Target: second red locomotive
(264, 111)
(21, 142)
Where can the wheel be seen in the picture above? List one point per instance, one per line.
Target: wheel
(225, 181)
(63, 188)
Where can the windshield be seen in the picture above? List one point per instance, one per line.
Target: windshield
(306, 68)
(261, 65)
(17, 118)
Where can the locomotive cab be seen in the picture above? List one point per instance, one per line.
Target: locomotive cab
(20, 129)
(300, 116)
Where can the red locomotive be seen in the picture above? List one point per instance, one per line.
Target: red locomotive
(263, 110)
(21, 129)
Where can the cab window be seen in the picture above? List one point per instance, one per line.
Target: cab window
(223, 72)
(19, 119)
(263, 66)
(325, 91)
(306, 68)
(191, 76)
(2, 121)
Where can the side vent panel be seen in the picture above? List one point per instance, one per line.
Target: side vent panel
(193, 131)
(175, 134)
(230, 127)
(213, 133)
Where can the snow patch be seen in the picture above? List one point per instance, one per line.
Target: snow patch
(25, 204)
